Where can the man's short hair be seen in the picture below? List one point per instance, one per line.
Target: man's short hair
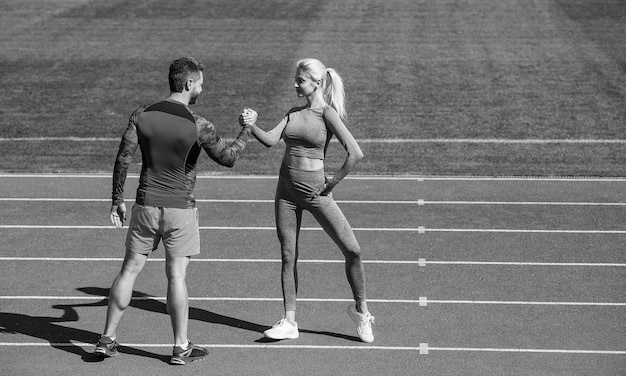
(181, 70)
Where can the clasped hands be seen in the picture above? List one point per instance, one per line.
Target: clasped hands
(248, 117)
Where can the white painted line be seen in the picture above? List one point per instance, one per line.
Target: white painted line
(520, 203)
(419, 202)
(56, 227)
(542, 351)
(367, 140)
(68, 138)
(423, 348)
(118, 259)
(419, 230)
(57, 199)
(486, 141)
(369, 202)
(522, 263)
(525, 231)
(209, 345)
(133, 176)
(528, 303)
(422, 301)
(419, 262)
(418, 178)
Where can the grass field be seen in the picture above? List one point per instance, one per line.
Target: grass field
(464, 87)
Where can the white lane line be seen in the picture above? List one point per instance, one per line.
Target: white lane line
(54, 199)
(419, 178)
(422, 301)
(420, 230)
(527, 141)
(510, 203)
(520, 263)
(521, 231)
(420, 262)
(542, 351)
(381, 202)
(522, 303)
(423, 348)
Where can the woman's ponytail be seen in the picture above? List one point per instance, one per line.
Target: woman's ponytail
(334, 92)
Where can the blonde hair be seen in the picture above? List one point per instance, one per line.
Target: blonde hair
(332, 83)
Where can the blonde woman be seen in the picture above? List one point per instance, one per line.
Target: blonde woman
(303, 185)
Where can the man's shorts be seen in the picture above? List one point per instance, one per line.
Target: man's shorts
(177, 228)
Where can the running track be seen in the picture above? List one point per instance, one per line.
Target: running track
(465, 277)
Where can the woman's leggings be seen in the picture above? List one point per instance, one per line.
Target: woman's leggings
(294, 194)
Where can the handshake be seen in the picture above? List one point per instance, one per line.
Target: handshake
(248, 117)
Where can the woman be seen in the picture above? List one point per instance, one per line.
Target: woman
(302, 185)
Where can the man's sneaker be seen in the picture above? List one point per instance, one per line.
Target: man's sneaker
(106, 347)
(193, 353)
(363, 323)
(282, 330)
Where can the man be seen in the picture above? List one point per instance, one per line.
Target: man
(170, 137)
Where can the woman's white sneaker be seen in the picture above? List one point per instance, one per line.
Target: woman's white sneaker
(363, 323)
(282, 330)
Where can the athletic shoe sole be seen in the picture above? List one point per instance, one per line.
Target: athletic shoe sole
(286, 336)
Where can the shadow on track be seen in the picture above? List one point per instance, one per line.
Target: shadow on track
(146, 302)
(59, 336)
(324, 333)
(63, 338)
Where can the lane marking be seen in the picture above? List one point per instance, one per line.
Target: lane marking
(422, 301)
(419, 202)
(530, 231)
(521, 263)
(419, 262)
(514, 350)
(528, 303)
(423, 348)
(419, 178)
(512, 203)
(527, 141)
(419, 229)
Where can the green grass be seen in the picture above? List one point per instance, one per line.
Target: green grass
(452, 69)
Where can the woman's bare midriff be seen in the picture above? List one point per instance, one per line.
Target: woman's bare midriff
(303, 163)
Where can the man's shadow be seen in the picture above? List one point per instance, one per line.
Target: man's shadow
(59, 336)
(63, 338)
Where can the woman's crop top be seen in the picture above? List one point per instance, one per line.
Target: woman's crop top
(306, 133)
